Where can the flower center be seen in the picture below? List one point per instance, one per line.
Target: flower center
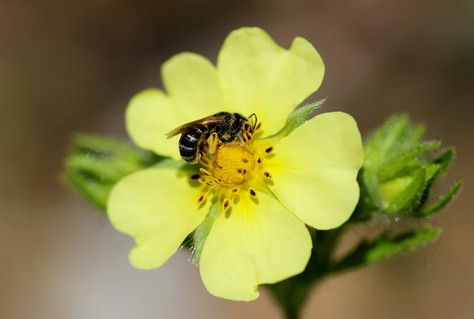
(231, 170)
(232, 164)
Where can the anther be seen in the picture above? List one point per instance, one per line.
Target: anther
(200, 200)
(225, 204)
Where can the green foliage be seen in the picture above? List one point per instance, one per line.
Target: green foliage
(400, 170)
(96, 163)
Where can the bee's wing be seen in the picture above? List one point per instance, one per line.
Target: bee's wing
(192, 125)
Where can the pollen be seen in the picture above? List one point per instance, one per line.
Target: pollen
(232, 164)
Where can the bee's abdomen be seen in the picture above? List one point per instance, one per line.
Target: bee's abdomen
(189, 143)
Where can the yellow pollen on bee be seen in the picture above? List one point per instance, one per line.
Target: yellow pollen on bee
(232, 164)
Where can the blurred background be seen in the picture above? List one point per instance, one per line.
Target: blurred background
(71, 66)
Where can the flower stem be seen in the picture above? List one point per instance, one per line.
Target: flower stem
(292, 293)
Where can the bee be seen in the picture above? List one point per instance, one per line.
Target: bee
(225, 126)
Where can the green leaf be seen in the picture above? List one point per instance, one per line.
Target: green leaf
(384, 246)
(96, 163)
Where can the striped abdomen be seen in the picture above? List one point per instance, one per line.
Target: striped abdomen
(190, 141)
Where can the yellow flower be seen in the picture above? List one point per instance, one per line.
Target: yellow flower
(248, 200)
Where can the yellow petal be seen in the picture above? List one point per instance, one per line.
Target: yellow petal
(192, 84)
(192, 92)
(148, 119)
(255, 244)
(258, 76)
(158, 208)
(314, 170)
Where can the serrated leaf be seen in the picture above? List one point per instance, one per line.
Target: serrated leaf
(384, 246)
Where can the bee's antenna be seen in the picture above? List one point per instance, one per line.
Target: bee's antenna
(254, 124)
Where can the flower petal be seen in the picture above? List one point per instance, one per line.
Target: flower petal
(148, 119)
(158, 209)
(260, 77)
(255, 244)
(192, 85)
(314, 170)
(192, 92)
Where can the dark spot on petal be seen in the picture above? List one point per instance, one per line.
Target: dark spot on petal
(252, 192)
(259, 160)
(269, 149)
(200, 198)
(267, 175)
(195, 176)
(244, 160)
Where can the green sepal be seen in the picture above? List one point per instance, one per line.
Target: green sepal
(399, 171)
(394, 137)
(96, 163)
(404, 163)
(297, 117)
(442, 201)
(401, 194)
(444, 159)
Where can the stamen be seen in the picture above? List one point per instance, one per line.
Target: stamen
(228, 168)
(201, 199)
(205, 171)
(225, 204)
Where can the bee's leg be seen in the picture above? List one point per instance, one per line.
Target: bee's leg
(213, 142)
(246, 134)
